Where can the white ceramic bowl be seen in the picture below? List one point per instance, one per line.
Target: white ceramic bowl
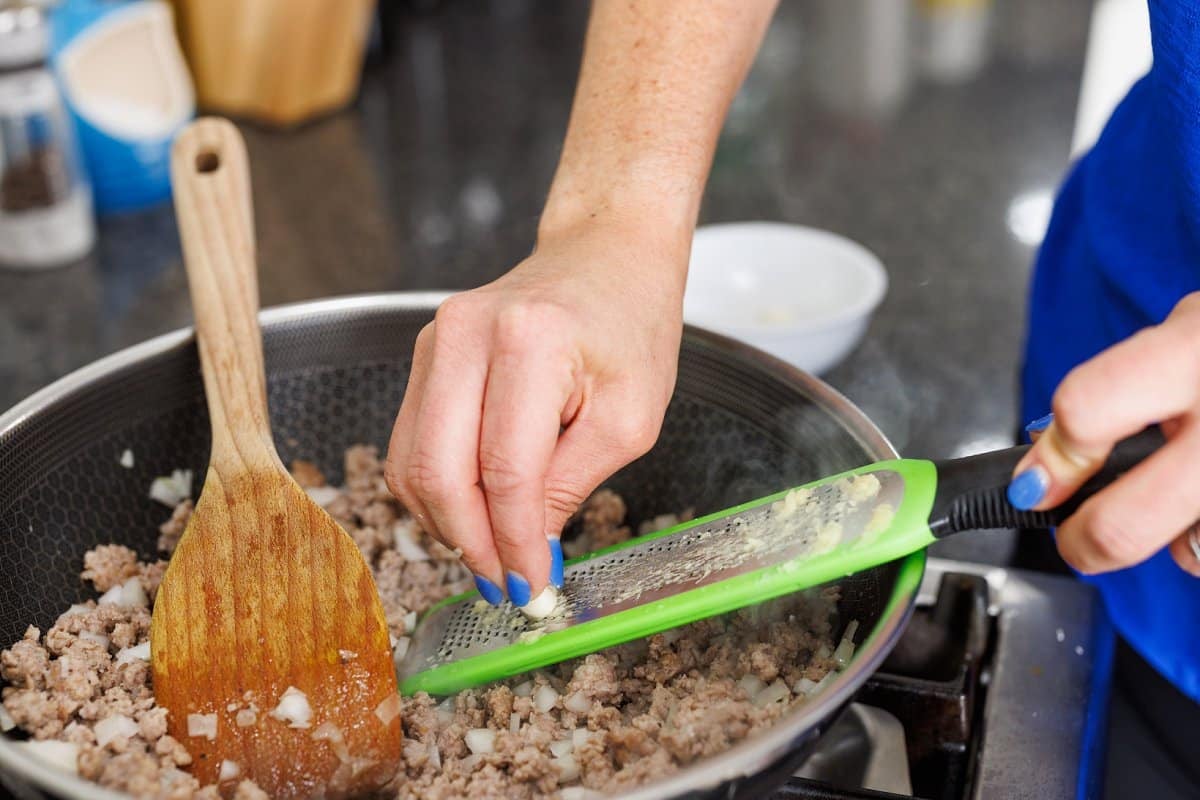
(801, 294)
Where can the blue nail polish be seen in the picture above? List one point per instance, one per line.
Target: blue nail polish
(1039, 424)
(518, 590)
(556, 562)
(1028, 488)
(488, 590)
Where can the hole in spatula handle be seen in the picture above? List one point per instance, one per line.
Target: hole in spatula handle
(207, 161)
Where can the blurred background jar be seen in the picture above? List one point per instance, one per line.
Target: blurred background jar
(45, 198)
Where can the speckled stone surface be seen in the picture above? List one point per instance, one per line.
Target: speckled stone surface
(435, 177)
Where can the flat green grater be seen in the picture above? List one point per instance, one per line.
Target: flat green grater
(788, 541)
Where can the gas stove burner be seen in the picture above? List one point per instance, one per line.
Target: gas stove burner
(999, 670)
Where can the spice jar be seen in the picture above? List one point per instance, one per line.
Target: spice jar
(45, 200)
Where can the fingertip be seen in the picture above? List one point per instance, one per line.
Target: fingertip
(489, 591)
(1039, 425)
(519, 590)
(1028, 488)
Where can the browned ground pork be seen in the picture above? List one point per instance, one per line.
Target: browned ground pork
(600, 724)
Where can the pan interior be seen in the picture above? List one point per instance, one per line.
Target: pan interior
(738, 427)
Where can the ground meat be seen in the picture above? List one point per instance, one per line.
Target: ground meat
(109, 565)
(170, 531)
(624, 716)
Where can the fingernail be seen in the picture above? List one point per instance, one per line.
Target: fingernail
(518, 589)
(1028, 488)
(1039, 424)
(488, 590)
(556, 562)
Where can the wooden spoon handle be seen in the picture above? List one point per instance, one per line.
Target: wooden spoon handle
(210, 178)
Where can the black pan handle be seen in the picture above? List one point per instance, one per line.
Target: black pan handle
(971, 491)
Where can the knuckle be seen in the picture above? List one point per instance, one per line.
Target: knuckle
(520, 323)
(393, 478)
(455, 313)
(500, 473)
(637, 430)
(424, 337)
(563, 500)
(426, 479)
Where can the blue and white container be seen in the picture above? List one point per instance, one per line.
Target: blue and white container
(126, 83)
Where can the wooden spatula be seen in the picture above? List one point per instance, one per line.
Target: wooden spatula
(265, 595)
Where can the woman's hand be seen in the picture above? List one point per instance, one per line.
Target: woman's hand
(528, 392)
(1152, 377)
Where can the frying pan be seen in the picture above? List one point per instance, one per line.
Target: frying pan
(741, 424)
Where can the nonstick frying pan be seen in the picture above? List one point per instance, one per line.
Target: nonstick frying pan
(741, 424)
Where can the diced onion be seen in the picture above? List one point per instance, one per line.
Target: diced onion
(808, 687)
(514, 721)
(410, 621)
(7, 723)
(133, 594)
(118, 725)
(202, 725)
(78, 608)
(544, 698)
(98, 638)
(577, 702)
(568, 768)
(523, 689)
(752, 684)
(126, 459)
(804, 686)
(135, 653)
(562, 747)
(329, 732)
(111, 598)
(577, 793)
(63, 755)
(388, 709)
(229, 770)
(322, 495)
(407, 544)
(480, 740)
(171, 490)
(445, 711)
(435, 755)
(246, 717)
(775, 693)
(293, 708)
(400, 649)
(580, 737)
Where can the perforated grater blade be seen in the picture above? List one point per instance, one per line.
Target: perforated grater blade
(782, 543)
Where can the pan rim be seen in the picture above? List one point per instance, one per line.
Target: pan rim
(748, 757)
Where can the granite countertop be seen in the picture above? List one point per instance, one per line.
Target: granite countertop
(435, 177)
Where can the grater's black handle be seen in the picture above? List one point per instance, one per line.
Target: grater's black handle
(971, 491)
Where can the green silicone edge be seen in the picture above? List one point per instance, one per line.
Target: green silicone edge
(908, 534)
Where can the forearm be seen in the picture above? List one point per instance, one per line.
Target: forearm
(656, 82)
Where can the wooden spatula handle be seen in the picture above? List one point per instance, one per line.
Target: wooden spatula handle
(210, 178)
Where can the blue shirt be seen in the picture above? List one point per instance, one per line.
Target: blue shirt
(1123, 247)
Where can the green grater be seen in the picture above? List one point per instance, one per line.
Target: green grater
(791, 540)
